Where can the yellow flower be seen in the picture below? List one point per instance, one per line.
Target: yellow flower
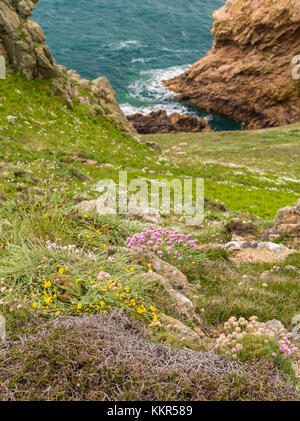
(48, 299)
(85, 216)
(155, 318)
(104, 246)
(153, 309)
(61, 270)
(47, 284)
(132, 302)
(35, 304)
(79, 306)
(141, 309)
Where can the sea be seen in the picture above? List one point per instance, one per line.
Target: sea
(134, 43)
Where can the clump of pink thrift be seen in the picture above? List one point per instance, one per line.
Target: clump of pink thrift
(103, 275)
(164, 243)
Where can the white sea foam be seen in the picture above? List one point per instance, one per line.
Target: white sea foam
(149, 85)
(148, 89)
(143, 60)
(121, 45)
(170, 108)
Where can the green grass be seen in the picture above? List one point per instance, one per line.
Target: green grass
(226, 292)
(45, 146)
(254, 172)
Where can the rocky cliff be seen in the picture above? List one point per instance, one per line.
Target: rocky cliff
(22, 43)
(247, 74)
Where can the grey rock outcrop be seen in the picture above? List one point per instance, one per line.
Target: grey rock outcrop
(287, 224)
(174, 282)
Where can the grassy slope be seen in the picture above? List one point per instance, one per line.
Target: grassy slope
(44, 173)
(251, 171)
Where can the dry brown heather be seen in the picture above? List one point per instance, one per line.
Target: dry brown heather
(108, 358)
(247, 74)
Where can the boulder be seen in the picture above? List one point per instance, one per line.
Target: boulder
(161, 122)
(287, 224)
(258, 251)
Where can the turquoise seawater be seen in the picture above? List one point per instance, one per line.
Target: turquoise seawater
(136, 44)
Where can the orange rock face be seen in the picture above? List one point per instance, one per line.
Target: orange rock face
(251, 73)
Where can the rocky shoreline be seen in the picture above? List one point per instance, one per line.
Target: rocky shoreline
(161, 122)
(247, 75)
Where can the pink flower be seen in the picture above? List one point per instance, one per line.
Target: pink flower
(103, 275)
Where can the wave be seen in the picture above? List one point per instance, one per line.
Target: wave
(122, 45)
(149, 88)
(144, 60)
(170, 108)
(148, 94)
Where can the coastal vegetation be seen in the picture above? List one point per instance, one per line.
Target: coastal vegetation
(64, 273)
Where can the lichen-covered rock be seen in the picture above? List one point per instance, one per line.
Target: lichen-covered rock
(22, 46)
(21, 40)
(247, 75)
(173, 281)
(287, 223)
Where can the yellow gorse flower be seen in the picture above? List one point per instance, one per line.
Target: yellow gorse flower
(47, 284)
